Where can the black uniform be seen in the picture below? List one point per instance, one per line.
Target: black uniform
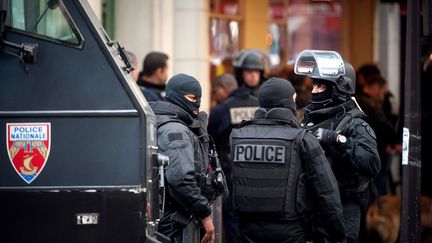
(240, 105)
(152, 92)
(183, 201)
(343, 132)
(179, 138)
(354, 163)
(278, 169)
(273, 184)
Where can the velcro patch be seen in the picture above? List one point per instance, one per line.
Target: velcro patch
(175, 136)
(369, 130)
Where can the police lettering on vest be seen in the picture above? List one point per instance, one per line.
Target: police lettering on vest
(238, 114)
(259, 153)
(267, 171)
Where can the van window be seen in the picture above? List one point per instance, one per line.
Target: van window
(47, 18)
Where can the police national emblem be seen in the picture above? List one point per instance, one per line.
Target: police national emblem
(28, 146)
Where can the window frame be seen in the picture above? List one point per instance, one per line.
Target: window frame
(69, 20)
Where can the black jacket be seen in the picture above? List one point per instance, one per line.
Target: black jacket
(187, 158)
(321, 187)
(355, 162)
(220, 122)
(151, 92)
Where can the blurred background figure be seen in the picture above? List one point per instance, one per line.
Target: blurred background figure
(222, 86)
(364, 73)
(153, 77)
(367, 72)
(374, 97)
(134, 61)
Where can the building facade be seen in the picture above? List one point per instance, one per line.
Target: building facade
(202, 36)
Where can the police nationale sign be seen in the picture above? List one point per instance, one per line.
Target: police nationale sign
(28, 146)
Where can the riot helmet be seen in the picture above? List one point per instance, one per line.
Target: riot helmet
(327, 67)
(248, 60)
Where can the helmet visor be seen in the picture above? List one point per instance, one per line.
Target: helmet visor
(319, 64)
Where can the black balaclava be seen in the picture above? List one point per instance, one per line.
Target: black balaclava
(277, 92)
(178, 86)
(323, 97)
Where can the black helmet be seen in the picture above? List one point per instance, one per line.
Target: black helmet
(249, 60)
(345, 83)
(328, 66)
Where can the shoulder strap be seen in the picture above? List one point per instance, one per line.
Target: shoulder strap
(348, 117)
(299, 140)
(168, 120)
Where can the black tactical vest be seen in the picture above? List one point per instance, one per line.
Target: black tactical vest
(268, 176)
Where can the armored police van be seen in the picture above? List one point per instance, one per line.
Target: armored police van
(78, 155)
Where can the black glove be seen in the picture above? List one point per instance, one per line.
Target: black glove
(325, 136)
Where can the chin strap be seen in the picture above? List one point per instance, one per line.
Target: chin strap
(355, 101)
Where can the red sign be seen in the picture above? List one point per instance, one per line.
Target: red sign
(28, 146)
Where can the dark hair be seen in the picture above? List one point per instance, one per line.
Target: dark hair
(375, 79)
(153, 61)
(368, 70)
(225, 79)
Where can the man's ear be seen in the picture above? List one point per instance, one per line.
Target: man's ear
(159, 71)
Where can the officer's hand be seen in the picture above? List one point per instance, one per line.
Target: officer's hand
(325, 136)
(209, 235)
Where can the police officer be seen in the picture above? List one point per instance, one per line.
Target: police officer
(186, 208)
(240, 105)
(348, 141)
(249, 70)
(152, 78)
(278, 168)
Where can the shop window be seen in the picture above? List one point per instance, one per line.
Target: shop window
(226, 7)
(224, 31)
(277, 32)
(225, 23)
(296, 25)
(224, 35)
(314, 25)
